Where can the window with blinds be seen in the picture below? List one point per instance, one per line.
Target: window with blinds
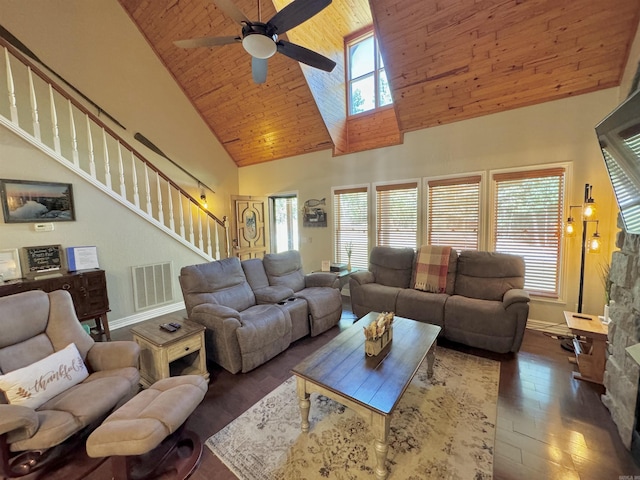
(351, 226)
(527, 221)
(453, 212)
(620, 157)
(397, 215)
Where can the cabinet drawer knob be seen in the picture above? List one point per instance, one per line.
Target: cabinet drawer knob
(186, 349)
(66, 286)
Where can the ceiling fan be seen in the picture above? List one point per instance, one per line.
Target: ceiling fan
(261, 40)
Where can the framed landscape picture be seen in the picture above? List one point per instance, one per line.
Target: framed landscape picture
(31, 201)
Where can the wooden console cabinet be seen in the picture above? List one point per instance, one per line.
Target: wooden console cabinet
(88, 288)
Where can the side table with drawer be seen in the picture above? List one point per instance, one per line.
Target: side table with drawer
(167, 354)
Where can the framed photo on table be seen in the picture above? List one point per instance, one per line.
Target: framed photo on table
(10, 265)
(43, 259)
(26, 201)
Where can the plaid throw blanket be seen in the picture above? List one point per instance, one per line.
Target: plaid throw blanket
(432, 265)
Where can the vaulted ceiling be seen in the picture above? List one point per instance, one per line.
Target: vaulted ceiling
(446, 61)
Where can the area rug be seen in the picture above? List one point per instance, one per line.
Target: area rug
(443, 428)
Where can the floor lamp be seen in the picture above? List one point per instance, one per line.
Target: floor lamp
(594, 244)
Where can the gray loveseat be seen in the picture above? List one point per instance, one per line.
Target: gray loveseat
(254, 309)
(484, 304)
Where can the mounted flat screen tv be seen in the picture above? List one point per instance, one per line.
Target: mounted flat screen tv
(619, 137)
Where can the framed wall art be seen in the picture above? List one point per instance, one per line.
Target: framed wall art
(9, 265)
(26, 201)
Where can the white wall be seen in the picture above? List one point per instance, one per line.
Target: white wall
(123, 240)
(560, 131)
(97, 48)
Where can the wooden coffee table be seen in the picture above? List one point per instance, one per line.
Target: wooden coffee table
(371, 386)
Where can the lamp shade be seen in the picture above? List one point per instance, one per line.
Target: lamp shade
(570, 228)
(595, 243)
(589, 209)
(259, 46)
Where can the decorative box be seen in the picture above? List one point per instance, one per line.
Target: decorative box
(374, 346)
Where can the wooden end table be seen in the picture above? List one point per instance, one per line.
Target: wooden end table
(166, 354)
(371, 386)
(590, 355)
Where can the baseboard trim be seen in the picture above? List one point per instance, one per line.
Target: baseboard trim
(548, 327)
(146, 315)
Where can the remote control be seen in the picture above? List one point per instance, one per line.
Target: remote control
(175, 325)
(168, 327)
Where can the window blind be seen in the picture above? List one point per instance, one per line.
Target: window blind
(453, 212)
(527, 213)
(350, 207)
(397, 215)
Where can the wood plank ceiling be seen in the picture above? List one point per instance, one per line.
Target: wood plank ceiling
(446, 61)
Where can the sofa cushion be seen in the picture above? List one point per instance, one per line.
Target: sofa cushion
(488, 275)
(24, 316)
(373, 297)
(392, 267)
(285, 269)
(265, 332)
(480, 323)
(35, 384)
(254, 272)
(75, 408)
(422, 306)
(222, 282)
(325, 307)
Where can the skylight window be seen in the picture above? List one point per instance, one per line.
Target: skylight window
(368, 86)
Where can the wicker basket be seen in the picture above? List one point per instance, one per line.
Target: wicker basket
(375, 346)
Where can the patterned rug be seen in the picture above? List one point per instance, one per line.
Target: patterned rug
(443, 428)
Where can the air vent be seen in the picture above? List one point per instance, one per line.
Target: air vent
(152, 285)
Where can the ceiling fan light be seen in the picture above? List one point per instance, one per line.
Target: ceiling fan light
(259, 46)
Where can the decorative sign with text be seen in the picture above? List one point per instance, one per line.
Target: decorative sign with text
(47, 258)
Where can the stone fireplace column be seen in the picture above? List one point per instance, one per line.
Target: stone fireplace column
(622, 372)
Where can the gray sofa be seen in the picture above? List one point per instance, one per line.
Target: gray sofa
(254, 309)
(484, 304)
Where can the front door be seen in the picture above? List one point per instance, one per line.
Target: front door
(251, 227)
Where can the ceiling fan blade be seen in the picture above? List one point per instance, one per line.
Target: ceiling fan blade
(295, 13)
(228, 7)
(259, 69)
(206, 42)
(305, 55)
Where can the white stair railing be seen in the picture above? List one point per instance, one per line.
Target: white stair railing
(94, 151)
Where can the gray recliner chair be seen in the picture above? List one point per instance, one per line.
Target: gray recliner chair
(241, 334)
(325, 304)
(38, 329)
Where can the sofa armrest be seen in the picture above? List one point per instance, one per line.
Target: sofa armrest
(112, 355)
(222, 324)
(362, 277)
(211, 315)
(515, 295)
(321, 279)
(14, 417)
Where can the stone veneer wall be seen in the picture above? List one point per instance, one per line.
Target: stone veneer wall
(622, 372)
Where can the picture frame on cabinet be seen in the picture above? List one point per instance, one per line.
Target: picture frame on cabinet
(48, 259)
(10, 265)
(25, 201)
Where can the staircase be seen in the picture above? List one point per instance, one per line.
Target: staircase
(51, 119)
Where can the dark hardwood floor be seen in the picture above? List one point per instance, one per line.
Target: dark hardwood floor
(550, 426)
